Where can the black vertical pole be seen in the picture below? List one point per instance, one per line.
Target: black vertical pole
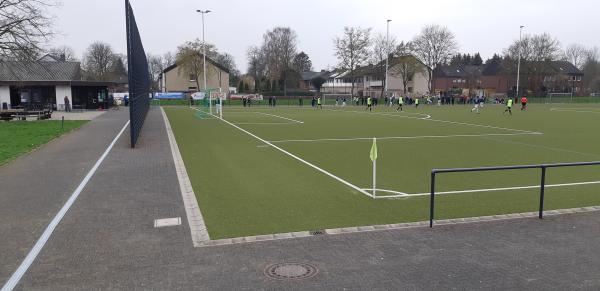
(62, 123)
(542, 187)
(432, 199)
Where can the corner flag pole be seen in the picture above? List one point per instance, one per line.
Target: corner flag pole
(374, 160)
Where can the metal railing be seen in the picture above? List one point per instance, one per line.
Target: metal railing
(543, 167)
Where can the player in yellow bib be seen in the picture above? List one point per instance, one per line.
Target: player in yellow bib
(369, 103)
(400, 103)
(417, 102)
(509, 104)
(319, 103)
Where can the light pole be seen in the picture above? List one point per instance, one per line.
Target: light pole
(387, 54)
(204, 59)
(519, 62)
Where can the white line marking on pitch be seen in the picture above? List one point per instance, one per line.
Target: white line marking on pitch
(265, 123)
(400, 137)
(573, 110)
(301, 160)
(402, 194)
(443, 121)
(37, 248)
(163, 222)
(273, 115)
(192, 210)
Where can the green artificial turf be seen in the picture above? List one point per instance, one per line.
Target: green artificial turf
(20, 137)
(247, 188)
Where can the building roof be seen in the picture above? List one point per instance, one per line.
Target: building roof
(221, 67)
(458, 71)
(39, 71)
(309, 75)
(564, 67)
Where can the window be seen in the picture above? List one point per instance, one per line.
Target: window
(192, 88)
(578, 78)
(410, 89)
(410, 78)
(192, 78)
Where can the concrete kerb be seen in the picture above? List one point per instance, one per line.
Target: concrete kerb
(398, 226)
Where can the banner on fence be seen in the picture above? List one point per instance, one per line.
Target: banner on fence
(247, 96)
(173, 95)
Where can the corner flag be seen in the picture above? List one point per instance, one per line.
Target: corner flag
(374, 150)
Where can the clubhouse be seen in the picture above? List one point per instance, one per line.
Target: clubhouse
(46, 82)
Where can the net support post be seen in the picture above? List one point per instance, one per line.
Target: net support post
(432, 199)
(542, 189)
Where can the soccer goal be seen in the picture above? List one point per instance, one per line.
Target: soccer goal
(559, 97)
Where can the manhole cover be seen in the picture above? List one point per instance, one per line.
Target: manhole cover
(291, 271)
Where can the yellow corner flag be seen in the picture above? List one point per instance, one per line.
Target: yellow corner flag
(374, 150)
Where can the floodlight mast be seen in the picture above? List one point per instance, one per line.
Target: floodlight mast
(519, 62)
(387, 55)
(204, 59)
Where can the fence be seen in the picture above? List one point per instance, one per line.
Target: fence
(139, 78)
(543, 167)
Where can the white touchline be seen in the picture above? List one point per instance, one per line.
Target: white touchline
(403, 195)
(34, 252)
(293, 120)
(301, 160)
(195, 219)
(399, 137)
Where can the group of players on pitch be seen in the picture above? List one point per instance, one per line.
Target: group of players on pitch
(477, 104)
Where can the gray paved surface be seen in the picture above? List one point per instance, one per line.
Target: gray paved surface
(107, 241)
(35, 186)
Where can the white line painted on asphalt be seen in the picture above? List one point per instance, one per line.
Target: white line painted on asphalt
(163, 222)
(399, 137)
(195, 219)
(403, 195)
(301, 160)
(34, 252)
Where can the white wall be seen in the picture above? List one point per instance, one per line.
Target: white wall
(4, 95)
(61, 92)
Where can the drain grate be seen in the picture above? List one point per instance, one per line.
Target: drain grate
(291, 271)
(317, 232)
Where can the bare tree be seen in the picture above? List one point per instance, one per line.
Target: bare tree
(352, 49)
(575, 53)
(302, 63)
(24, 27)
(434, 46)
(98, 61)
(256, 66)
(537, 52)
(405, 65)
(381, 50)
(64, 52)
(190, 60)
(168, 59)
(279, 49)
(155, 68)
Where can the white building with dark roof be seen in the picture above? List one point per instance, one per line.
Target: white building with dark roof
(47, 82)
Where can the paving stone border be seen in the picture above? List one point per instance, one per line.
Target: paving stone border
(383, 227)
(192, 210)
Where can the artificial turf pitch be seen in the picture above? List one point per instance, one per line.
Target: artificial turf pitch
(246, 187)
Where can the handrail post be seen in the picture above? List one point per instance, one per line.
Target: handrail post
(432, 199)
(542, 188)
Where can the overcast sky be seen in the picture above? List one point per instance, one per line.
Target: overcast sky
(234, 25)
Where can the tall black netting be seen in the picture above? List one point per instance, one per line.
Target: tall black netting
(139, 78)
